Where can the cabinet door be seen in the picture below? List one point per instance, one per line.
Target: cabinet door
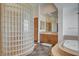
(44, 38)
(53, 39)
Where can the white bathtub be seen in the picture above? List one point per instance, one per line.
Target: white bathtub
(70, 46)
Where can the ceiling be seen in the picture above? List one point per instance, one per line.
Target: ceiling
(47, 8)
(43, 8)
(66, 5)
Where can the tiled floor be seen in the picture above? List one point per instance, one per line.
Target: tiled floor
(41, 50)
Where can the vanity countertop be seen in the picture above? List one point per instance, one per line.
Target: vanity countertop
(52, 33)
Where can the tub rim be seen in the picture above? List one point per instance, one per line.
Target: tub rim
(73, 52)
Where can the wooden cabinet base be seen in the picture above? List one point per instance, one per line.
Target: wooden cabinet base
(49, 38)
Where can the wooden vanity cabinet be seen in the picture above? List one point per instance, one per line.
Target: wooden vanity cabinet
(53, 39)
(49, 38)
(44, 38)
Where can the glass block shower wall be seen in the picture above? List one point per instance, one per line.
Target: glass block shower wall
(16, 29)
